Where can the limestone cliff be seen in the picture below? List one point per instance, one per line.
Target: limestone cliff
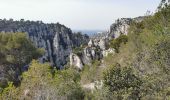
(95, 50)
(75, 61)
(98, 48)
(121, 26)
(56, 39)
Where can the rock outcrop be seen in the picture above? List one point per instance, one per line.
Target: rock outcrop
(98, 44)
(92, 86)
(90, 54)
(75, 61)
(121, 26)
(56, 39)
(109, 51)
(95, 50)
(97, 47)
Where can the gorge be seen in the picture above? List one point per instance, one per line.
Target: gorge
(49, 61)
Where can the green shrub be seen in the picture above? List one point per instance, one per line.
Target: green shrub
(117, 42)
(9, 93)
(122, 81)
(16, 51)
(91, 73)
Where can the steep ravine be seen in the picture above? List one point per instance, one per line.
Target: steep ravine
(97, 50)
(98, 45)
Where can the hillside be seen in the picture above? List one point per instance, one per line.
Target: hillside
(130, 62)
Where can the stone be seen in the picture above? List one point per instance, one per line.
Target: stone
(91, 43)
(87, 58)
(121, 26)
(102, 44)
(75, 61)
(109, 51)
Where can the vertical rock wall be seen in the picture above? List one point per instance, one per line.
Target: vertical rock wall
(56, 39)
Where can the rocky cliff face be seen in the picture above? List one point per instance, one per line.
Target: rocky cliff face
(98, 44)
(56, 39)
(95, 50)
(76, 61)
(121, 26)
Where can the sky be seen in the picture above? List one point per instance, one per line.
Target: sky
(76, 14)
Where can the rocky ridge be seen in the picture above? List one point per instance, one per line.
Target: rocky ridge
(121, 26)
(97, 47)
(95, 50)
(56, 39)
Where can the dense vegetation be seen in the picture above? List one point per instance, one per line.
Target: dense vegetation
(139, 70)
(147, 54)
(116, 43)
(16, 51)
(79, 39)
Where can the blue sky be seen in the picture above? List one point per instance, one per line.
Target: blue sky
(76, 14)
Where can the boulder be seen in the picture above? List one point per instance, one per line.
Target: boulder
(91, 43)
(102, 44)
(109, 51)
(75, 61)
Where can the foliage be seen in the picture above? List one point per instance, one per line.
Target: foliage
(16, 51)
(36, 82)
(146, 49)
(91, 73)
(78, 51)
(121, 81)
(9, 93)
(115, 43)
(43, 82)
(99, 94)
(79, 39)
(147, 52)
(67, 83)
